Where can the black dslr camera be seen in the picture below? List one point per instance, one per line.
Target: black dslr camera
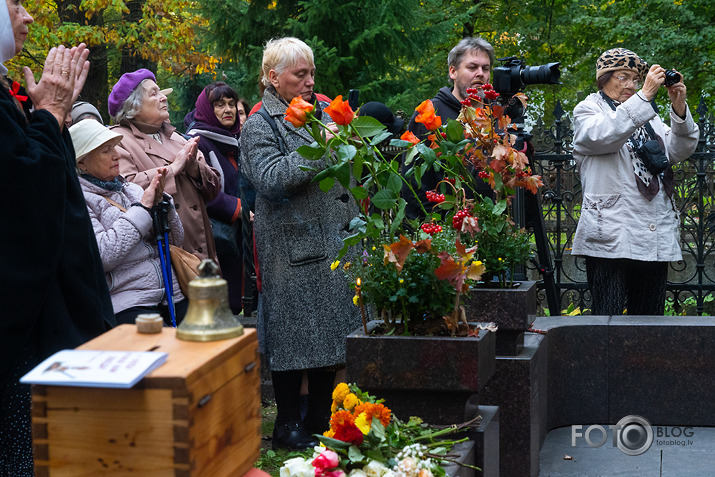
(672, 77)
(513, 76)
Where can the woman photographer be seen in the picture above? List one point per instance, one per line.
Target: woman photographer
(628, 230)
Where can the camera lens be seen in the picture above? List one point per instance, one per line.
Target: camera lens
(672, 77)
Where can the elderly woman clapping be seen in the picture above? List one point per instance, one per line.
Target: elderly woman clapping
(629, 230)
(120, 213)
(149, 143)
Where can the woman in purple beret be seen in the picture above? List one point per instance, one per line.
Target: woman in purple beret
(215, 122)
(150, 143)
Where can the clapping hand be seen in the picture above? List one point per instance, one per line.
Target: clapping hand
(155, 192)
(63, 77)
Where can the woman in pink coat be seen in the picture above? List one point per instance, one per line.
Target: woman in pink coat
(150, 143)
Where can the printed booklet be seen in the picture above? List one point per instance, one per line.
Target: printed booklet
(91, 368)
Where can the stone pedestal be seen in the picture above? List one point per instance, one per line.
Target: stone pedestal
(482, 450)
(512, 309)
(519, 388)
(427, 376)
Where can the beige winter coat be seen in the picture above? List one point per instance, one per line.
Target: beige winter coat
(141, 155)
(617, 221)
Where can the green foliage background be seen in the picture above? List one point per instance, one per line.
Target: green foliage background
(395, 51)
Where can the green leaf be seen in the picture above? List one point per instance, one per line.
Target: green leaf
(428, 154)
(455, 131)
(355, 455)
(411, 153)
(380, 137)
(357, 167)
(367, 126)
(326, 184)
(312, 152)
(359, 193)
(384, 199)
(346, 152)
(330, 442)
(394, 183)
(342, 174)
(500, 207)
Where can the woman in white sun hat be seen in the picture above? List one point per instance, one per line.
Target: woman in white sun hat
(120, 215)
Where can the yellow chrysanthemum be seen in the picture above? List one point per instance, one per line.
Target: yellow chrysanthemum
(329, 433)
(341, 390)
(350, 401)
(362, 423)
(334, 407)
(334, 265)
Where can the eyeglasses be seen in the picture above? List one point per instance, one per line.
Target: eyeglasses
(625, 80)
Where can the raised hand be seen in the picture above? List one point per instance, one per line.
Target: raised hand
(154, 192)
(63, 76)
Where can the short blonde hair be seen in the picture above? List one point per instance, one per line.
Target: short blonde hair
(282, 53)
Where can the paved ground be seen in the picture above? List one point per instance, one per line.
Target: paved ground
(682, 456)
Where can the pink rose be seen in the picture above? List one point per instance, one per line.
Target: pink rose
(335, 473)
(327, 460)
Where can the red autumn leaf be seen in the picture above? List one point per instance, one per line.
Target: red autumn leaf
(423, 246)
(397, 252)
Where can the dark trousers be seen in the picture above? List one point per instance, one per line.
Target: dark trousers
(286, 387)
(617, 284)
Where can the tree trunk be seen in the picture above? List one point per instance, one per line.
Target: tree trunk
(131, 59)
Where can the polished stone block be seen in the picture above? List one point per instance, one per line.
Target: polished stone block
(663, 369)
(519, 388)
(430, 377)
(512, 309)
(578, 369)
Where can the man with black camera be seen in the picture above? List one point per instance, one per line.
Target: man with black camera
(629, 230)
(469, 65)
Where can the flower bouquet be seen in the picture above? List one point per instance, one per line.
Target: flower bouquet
(366, 440)
(414, 273)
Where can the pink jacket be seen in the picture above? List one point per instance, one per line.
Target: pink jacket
(127, 246)
(141, 155)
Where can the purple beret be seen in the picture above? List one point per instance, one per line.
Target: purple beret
(124, 87)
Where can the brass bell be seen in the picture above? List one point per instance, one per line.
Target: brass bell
(208, 317)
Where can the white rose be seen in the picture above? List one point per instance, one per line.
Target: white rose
(357, 473)
(297, 467)
(375, 469)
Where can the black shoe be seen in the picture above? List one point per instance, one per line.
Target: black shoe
(292, 436)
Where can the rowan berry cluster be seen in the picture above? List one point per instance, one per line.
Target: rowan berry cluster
(433, 196)
(459, 217)
(431, 228)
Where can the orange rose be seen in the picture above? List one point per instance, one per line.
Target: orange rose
(297, 112)
(340, 111)
(409, 137)
(427, 116)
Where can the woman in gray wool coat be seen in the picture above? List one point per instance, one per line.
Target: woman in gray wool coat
(306, 311)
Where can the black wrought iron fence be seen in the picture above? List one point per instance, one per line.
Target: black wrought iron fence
(691, 281)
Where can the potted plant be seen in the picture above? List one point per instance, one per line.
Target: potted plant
(414, 275)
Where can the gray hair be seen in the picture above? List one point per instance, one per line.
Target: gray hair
(133, 104)
(467, 44)
(282, 53)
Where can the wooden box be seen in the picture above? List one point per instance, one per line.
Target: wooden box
(196, 415)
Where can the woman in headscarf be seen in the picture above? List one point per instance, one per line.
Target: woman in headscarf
(52, 285)
(149, 143)
(628, 230)
(215, 121)
(121, 216)
(305, 312)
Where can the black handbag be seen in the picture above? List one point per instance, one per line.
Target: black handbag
(653, 156)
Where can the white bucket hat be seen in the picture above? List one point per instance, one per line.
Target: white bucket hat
(88, 135)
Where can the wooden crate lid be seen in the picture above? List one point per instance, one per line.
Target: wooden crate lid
(187, 360)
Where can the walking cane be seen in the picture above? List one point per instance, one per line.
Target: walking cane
(160, 222)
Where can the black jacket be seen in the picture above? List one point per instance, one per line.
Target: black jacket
(447, 107)
(52, 286)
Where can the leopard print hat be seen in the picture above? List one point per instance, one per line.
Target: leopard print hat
(620, 59)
